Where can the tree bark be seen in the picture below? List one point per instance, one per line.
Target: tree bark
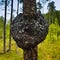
(29, 7)
(5, 26)
(30, 54)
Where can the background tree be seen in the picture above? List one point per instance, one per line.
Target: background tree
(5, 26)
(39, 6)
(43, 3)
(1, 26)
(51, 9)
(21, 1)
(57, 15)
(10, 24)
(2, 2)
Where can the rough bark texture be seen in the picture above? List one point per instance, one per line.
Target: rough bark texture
(30, 54)
(28, 31)
(34, 53)
(29, 7)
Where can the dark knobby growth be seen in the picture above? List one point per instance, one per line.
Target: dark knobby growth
(29, 30)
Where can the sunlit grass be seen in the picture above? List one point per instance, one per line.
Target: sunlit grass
(14, 54)
(49, 51)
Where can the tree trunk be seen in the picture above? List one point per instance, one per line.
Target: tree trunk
(30, 54)
(10, 24)
(5, 26)
(29, 8)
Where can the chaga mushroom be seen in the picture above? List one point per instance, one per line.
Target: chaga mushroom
(28, 31)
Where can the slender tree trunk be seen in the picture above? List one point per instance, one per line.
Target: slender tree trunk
(17, 7)
(5, 26)
(43, 7)
(10, 24)
(39, 7)
(29, 8)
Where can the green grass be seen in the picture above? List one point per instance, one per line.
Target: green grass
(13, 54)
(49, 51)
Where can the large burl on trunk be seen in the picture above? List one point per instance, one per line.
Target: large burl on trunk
(28, 31)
